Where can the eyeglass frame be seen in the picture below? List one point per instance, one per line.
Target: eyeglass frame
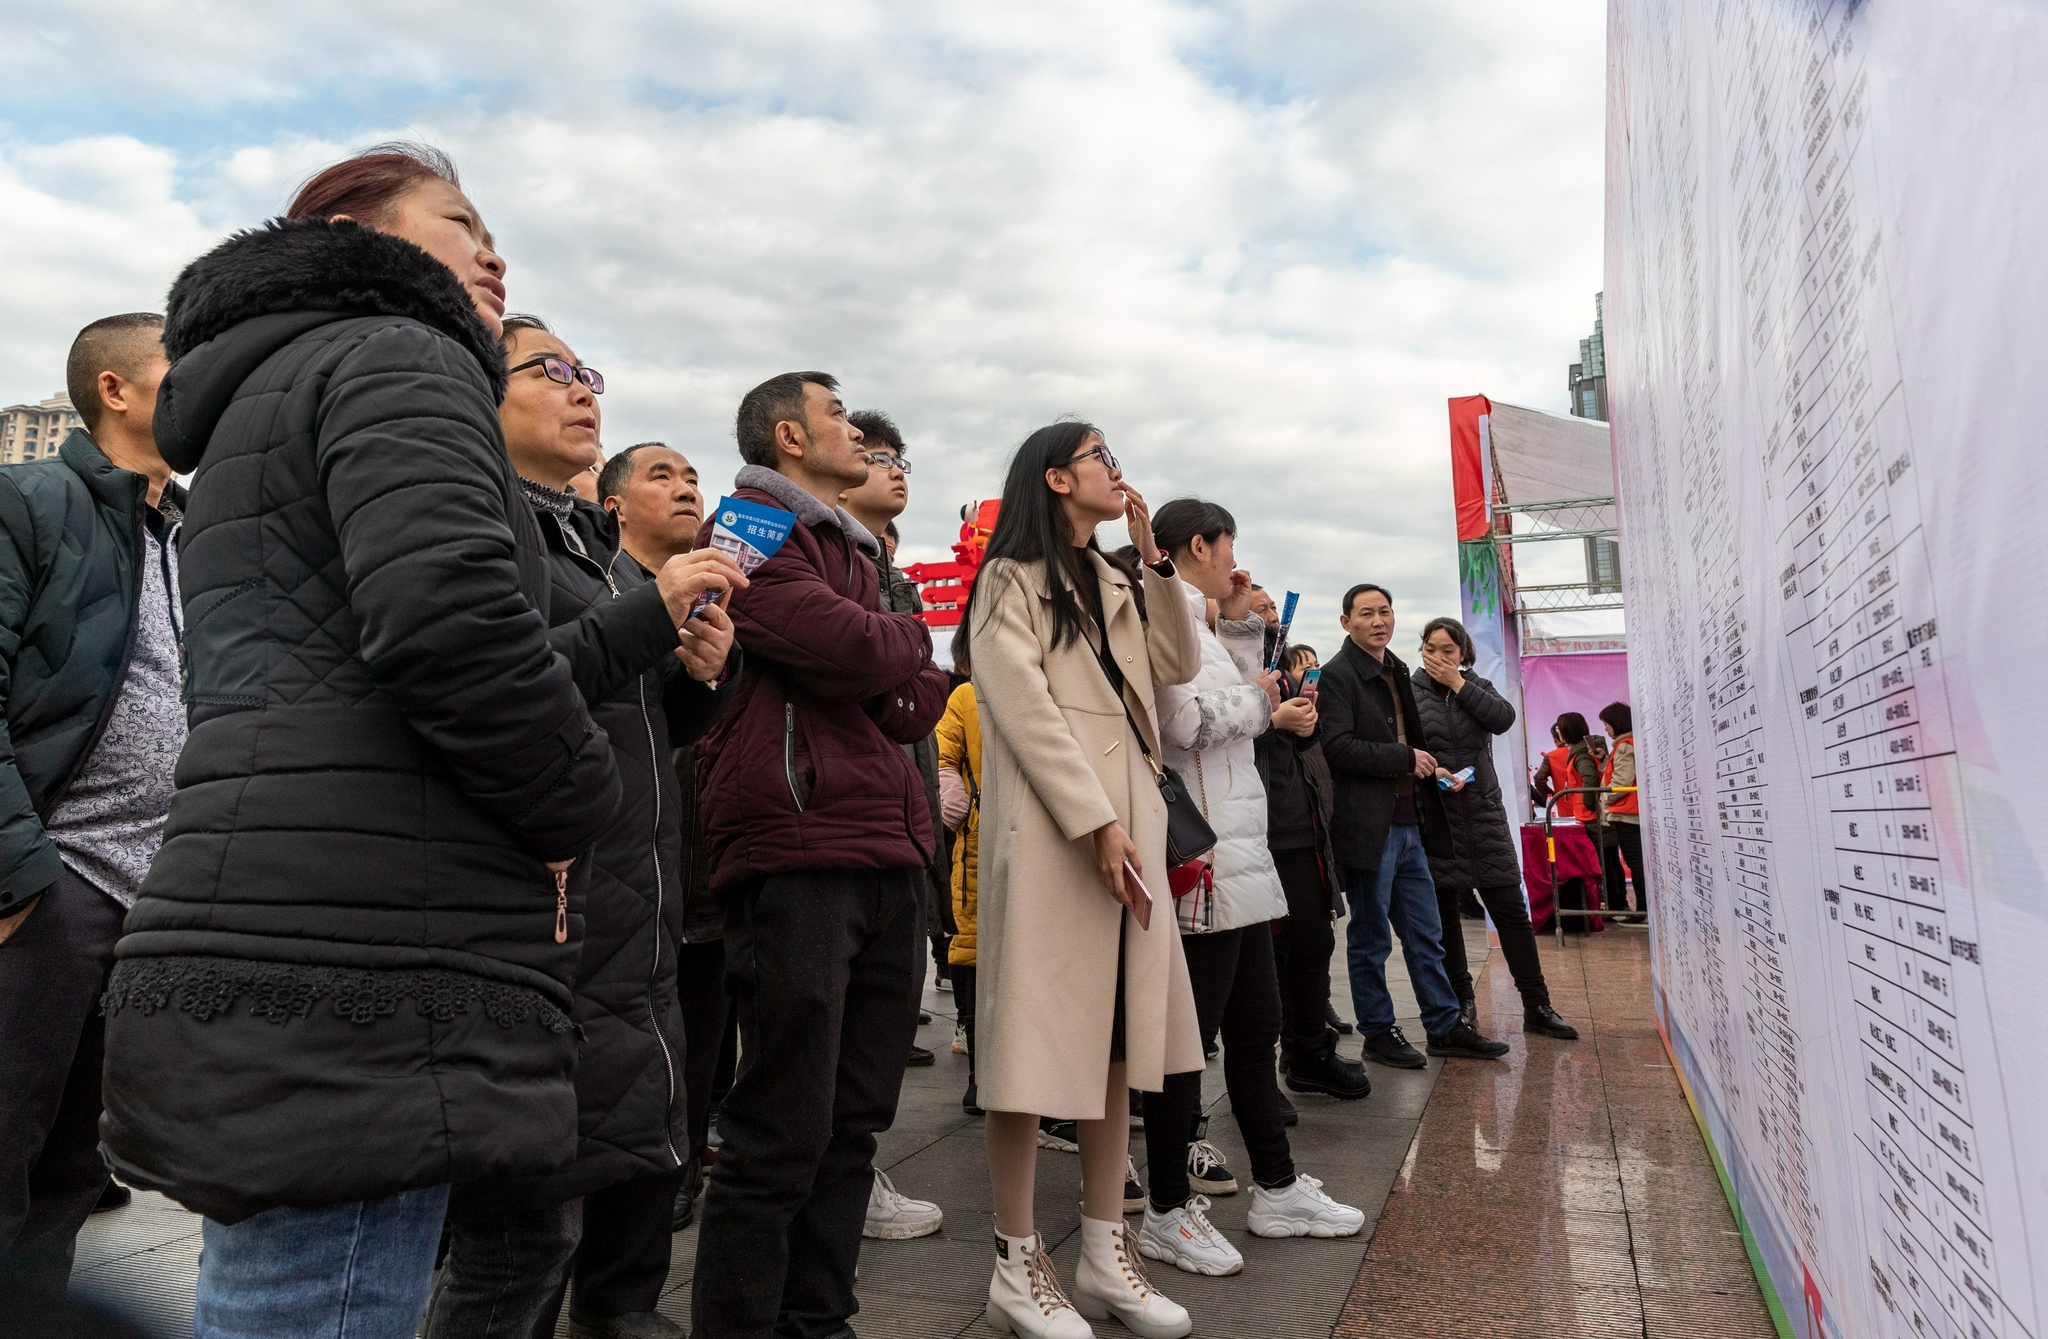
(1100, 449)
(576, 371)
(890, 460)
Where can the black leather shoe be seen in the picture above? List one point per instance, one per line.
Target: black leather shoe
(636, 1325)
(970, 1101)
(1546, 1021)
(1289, 1117)
(1318, 1068)
(919, 1056)
(1468, 1014)
(1391, 1048)
(685, 1210)
(1465, 1043)
(1330, 1019)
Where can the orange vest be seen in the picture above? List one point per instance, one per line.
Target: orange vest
(1620, 804)
(1563, 776)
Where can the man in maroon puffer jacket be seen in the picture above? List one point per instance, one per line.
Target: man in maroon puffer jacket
(818, 834)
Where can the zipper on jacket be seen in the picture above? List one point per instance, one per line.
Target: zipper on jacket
(668, 1060)
(789, 753)
(63, 788)
(561, 906)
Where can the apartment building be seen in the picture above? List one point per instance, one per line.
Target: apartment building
(32, 431)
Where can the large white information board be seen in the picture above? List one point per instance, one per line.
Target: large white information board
(1827, 345)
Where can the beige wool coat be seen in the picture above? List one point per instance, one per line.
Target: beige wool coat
(1058, 762)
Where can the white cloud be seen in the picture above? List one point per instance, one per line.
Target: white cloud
(1260, 246)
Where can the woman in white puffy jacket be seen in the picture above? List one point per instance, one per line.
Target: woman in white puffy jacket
(1207, 727)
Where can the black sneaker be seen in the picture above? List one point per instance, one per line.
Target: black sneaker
(1134, 1192)
(1289, 1117)
(1062, 1136)
(1319, 1069)
(920, 1057)
(924, 1017)
(1330, 1019)
(1464, 1042)
(1544, 1019)
(1391, 1048)
(1207, 1172)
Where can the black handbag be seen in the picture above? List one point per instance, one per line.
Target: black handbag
(1188, 834)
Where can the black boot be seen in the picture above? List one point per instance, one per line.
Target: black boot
(1315, 1067)
(1331, 1020)
(1468, 1014)
(1542, 1018)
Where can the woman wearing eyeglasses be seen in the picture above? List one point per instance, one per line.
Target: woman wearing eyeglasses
(1082, 989)
(646, 669)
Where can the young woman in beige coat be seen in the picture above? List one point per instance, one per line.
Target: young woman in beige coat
(1076, 1001)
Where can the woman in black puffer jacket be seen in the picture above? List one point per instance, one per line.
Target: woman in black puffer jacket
(1461, 713)
(348, 980)
(511, 1243)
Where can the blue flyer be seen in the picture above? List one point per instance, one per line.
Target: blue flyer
(1286, 621)
(747, 532)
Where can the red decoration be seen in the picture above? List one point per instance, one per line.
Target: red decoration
(944, 586)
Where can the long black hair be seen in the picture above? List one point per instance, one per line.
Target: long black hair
(1175, 525)
(1032, 527)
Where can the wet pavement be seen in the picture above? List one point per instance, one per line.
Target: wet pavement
(1565, 1191)
(1562, 1191)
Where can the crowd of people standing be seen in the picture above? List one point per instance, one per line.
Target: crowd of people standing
(403, 824)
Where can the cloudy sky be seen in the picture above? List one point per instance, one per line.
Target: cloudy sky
(1258, 244)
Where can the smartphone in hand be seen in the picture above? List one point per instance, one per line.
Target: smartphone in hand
(1310, 681)
(1141, 910)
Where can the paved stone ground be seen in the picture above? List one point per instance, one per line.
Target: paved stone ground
(1565, 1192)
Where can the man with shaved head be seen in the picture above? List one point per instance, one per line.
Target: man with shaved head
(89, 632)
(652, 490)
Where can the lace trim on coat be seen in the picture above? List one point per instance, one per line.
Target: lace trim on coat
(277, 992)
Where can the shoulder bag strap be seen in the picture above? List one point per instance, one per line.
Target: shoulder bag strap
(1116, 684)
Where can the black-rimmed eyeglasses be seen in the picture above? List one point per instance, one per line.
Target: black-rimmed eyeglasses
(562, 371)
(1099, 449)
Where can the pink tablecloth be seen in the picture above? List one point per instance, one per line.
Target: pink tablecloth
(1576, 859)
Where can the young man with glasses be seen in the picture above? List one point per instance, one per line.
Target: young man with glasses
(819, 837)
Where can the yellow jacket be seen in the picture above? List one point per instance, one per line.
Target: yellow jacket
(960, 749)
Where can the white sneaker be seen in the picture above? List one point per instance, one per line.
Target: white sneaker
(959, 1039)
(1109, 1280)
(1301, 1210)
(1186, 1239)
(897, 1217)
(1024, 1293)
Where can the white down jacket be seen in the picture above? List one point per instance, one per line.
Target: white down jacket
(1207, 726)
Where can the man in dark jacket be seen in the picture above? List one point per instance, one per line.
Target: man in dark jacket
(88, 614)
(876, 504)
(654, 492)
(1389, 819)
(819, 837)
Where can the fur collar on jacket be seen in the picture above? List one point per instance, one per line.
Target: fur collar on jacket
(807, 508)
(292, 265)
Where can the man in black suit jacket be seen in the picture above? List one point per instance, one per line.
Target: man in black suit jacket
(1389, 820)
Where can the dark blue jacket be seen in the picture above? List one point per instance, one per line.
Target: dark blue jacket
(71, 554)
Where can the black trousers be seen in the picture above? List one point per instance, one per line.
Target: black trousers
(1628, 846)
(826, 968)
(700, 990)
(623, 1260)
(1517, 942)
(1235, 989)
(963, 1001)
(52, 1045)
(1302, 952)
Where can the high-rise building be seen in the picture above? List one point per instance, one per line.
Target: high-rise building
(32, 431)
(1588, 379)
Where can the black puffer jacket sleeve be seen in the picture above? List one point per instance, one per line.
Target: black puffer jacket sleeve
(29, 863)
(433, 581)
(616, 641)
(1492, 711)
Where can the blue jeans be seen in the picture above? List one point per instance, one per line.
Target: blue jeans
(1402, 893)
(353, 1271)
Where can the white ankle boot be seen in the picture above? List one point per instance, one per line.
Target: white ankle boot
(1110, 1280)
(1024, 1294)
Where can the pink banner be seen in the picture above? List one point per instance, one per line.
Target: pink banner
(1554, 685)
